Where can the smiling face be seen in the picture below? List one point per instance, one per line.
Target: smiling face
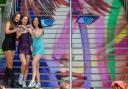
(24, 20)
(57, 36)
(17, 18)
(35, 22)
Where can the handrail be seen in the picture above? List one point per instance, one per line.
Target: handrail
(3, 4)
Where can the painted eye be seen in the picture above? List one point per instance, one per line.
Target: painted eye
(46, 21)
(87, 19)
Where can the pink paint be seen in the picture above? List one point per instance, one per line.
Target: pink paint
(61, 45)
(100, 43)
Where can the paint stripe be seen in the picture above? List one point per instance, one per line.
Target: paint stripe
(86, 52)
(121, 35)
(111, 25)
(100, 43)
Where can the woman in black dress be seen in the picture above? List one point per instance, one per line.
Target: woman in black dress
(9, 47)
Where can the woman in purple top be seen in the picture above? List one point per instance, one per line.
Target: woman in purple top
(24, 49)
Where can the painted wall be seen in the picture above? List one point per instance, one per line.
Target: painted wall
(99, 41)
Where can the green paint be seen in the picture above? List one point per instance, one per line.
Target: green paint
(3, 1)
(112, 20)
(1, 52)
(3, 7)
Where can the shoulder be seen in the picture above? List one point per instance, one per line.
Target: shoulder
(8, 22)
(41, 30)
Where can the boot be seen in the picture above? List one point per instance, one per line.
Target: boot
(12, 78)
(6, 77)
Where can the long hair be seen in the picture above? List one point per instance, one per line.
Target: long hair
(12, 20)
(39, 25)
(23, 17)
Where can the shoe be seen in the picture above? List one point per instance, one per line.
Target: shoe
(38, 84)
(6, 77)
(14, 84)
(32, 84)
(20, 81)
(24, 84)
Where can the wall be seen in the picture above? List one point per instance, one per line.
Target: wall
(99, 43)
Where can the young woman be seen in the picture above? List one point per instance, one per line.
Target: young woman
(9, 47)
(38, 51)
(24, 49)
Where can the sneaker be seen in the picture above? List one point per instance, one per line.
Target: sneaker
(24, 84)
(20, 79)
(38, 85)
(32, 84)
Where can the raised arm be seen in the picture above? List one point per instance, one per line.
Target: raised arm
(18, 33)
(20, 30)
(39, 33)
(30, 30)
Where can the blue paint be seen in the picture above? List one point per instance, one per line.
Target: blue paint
(86, 52)
(47, 21)
(87, 19)
(19, 5)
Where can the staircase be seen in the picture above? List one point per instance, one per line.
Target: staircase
(47, 64)
(99, 65)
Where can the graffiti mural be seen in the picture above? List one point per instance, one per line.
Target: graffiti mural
(99, 41)
(102, 31)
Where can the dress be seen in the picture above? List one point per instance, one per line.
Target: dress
(24, 45)
(9, 41)
(38, 46)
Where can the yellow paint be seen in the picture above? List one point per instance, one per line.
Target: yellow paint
(78, 70)
(121, 35)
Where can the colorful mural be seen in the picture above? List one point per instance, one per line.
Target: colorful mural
(103, 32)
(99, 41)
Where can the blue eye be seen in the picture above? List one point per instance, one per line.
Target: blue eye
(87, 19)
(46, 21)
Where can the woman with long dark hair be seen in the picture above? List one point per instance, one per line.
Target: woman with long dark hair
(24, 49)
(38, 51)
(9, 47)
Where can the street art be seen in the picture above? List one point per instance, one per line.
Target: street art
(99, 40)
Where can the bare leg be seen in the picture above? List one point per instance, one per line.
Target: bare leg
(9, 58)
(9, 63)
(13, 54)
(38, 73)
(23, 65)
(9, 55)
(34, 66)
(26, 67)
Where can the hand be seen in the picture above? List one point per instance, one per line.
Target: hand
(21, 28)
(31, 48)
(16, 29)
(29, 26)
